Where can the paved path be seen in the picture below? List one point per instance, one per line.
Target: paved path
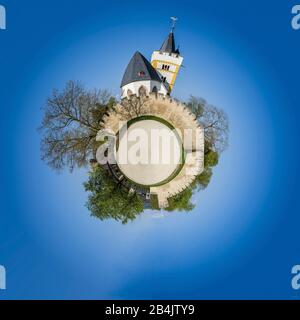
(180, 117)
(149, 152)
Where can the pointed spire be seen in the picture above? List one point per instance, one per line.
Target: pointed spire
(169, 43)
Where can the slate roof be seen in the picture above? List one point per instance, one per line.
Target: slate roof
(169, 44)
(139, 69)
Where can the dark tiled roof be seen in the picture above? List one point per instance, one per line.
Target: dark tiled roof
(169, 44)
(139, 69)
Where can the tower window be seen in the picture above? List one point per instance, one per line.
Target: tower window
(141, 74)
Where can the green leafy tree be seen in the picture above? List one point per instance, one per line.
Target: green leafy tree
(182, 201)
(108, 201)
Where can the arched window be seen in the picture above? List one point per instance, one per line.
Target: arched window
(142, 91)
(154, 90)
(129, 93)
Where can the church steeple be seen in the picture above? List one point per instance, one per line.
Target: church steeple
(169, 43)
(167, 61)
(158, 76)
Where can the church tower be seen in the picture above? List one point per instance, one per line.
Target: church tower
(167, 61)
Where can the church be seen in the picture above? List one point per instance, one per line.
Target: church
(155, 171)
(158, 76)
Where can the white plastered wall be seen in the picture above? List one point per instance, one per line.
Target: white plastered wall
(148, 84)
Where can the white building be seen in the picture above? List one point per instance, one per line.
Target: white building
(140, 75)
(158, 76)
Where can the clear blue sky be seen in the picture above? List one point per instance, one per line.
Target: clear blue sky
(241, 240)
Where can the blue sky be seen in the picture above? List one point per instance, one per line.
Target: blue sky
(241, 239)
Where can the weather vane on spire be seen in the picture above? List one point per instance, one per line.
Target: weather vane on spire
(174, 19)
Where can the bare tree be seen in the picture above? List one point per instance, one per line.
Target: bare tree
(71, 121)
(196, 105)
(214, 122)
